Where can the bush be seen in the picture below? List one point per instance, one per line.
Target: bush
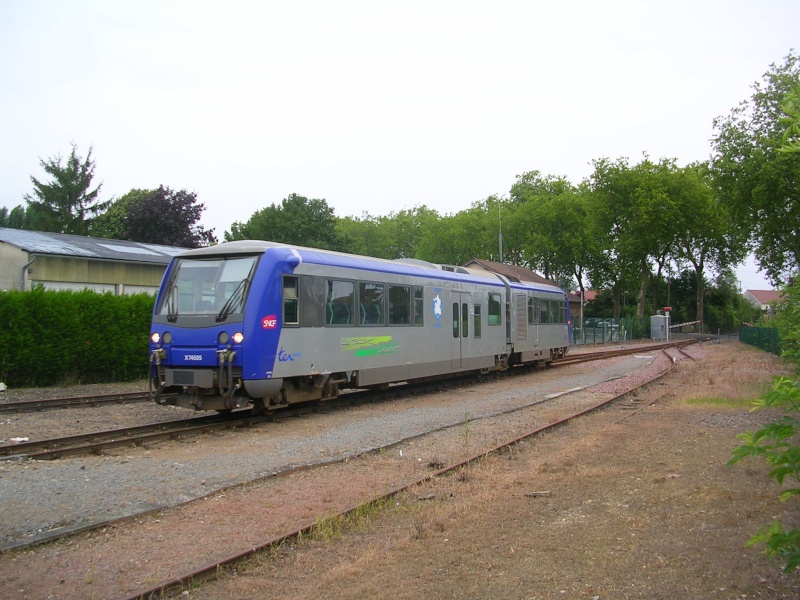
(51, 337)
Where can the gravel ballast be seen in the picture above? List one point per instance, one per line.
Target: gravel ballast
(45, 499)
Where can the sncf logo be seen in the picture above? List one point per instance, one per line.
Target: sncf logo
(270, 322)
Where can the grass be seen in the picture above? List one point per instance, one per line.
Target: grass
(742, 403)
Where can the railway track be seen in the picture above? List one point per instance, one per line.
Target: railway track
(227, 564)
(25, 406)
(98, 442)
(45, 404)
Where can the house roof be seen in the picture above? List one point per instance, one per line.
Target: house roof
(588, 295)
(765, 297)
(76, 246)
(511, 271)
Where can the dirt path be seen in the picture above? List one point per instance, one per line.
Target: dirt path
(636, 505)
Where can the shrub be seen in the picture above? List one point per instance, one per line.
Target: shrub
(49, 337)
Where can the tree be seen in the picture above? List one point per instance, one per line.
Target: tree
(756, 177)
(16, 219)
(297, 220)
(396, 235)
(705, 235)
(457, 239)
(633, 215)
(776, 442)
(161, 216)
(554, 215)
(66, 204)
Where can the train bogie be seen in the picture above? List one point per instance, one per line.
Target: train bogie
(270, 325)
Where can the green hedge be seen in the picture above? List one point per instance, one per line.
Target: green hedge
(53, 337)
(766, 338)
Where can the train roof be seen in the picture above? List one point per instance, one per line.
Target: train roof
(404, 266)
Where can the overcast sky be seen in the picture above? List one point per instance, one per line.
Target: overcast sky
(374, 106)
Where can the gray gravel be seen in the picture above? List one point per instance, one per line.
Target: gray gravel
(40, 500)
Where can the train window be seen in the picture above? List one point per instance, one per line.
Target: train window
(399, 305)
(455, 319)
(562, 312)
(477, 321)
(370, 308)
(465, 320)
(419, 313)
(545, 311)
(339, 301)
(291, 301)
(531, 311)
(495, 310)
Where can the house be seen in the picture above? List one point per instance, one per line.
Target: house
(59, 261)
(515, 273)
(763, 299)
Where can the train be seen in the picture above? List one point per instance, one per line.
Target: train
(264, 325)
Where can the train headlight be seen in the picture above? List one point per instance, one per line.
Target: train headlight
(155, 337)
(223, 337)
(238, 338)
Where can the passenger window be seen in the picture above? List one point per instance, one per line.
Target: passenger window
(465, 320)
(477, 321)
(370, 298)
(291, 312)
(339, 302)
(399, 305)
(545, 311)
(419, 313)
(495, 310)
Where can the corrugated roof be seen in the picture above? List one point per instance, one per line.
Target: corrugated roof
(62, 244)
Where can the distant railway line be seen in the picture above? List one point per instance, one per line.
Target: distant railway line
(39, 405)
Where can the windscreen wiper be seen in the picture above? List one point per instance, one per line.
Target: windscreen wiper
(235, 301)
(172, 304)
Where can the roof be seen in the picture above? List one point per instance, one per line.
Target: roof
(76, 246)
(302, 254)
(512, 271)
(765, 297)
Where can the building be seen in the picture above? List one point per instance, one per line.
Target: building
(59, 261)
(762, 299)
(515, 273)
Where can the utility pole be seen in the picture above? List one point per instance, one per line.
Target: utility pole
(500, 216)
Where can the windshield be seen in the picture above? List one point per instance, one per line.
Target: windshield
(216, 286)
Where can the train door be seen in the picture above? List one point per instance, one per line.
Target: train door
(460, 315)
(533, 319)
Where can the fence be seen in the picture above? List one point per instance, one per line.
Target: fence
(604, 331)
(766, 338)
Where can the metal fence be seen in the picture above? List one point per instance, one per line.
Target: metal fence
(766, 338)
(607, 330)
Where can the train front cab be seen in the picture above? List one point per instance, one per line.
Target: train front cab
(199, 329)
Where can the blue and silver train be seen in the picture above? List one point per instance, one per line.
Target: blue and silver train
(262, 324)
